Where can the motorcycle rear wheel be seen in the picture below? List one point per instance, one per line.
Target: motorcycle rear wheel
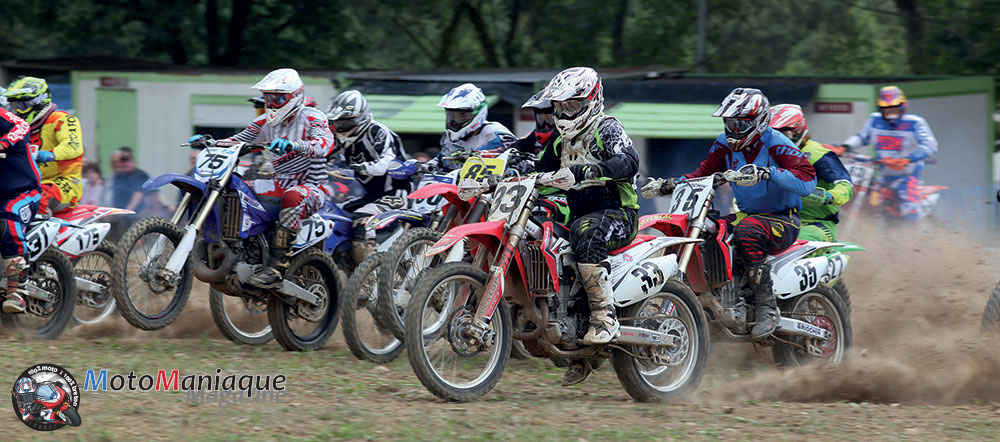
(398, 276)
(241, 320)
(821, 307)
(315, 272)
(364, 334)
(650, 382)
(435, 319)
(54, 273)
(134, 276)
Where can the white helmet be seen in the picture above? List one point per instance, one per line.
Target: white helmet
(284, 94)
(465, 111)
(577, 99)
(3, 99)
(349, 115)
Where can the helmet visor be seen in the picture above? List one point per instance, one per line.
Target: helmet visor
(458, 118)
(569, 109)
(274, 100)
(738, 126)
(344, 124)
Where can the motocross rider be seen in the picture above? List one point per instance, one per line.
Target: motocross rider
(369, 147)
(466, 127)
(552, 204)
(300, 137)
(59, 139)
(20, 195)
(902, 142)
(833, 187)
(778, 176)
(593, 146)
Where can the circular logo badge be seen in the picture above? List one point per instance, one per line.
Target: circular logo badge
(46, 397)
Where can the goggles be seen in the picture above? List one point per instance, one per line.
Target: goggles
(545, 120)
(738, 125)
(569, 109)
(458, 118)
(344, 124)
(275, 100)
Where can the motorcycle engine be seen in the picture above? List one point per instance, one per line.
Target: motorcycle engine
(734, 306)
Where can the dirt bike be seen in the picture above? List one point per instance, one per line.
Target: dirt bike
(460, 319)
(83, 240)
(223, 240)
(814, 322)
(49, 284)
(48, 404)
(363, 331)
(868, 188)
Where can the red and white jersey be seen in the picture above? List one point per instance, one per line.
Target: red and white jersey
(309, 130)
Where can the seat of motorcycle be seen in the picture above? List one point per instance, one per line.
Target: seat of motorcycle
(76, 212)
(639, 239)
(559, 230)
(798, 243)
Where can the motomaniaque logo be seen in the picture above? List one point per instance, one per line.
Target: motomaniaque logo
(46, 398)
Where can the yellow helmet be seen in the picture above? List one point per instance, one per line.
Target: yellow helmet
(28, 97)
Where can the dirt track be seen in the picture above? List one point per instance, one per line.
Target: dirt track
(919, 370)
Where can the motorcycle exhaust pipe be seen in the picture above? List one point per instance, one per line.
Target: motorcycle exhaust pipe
(539, 328)
(199, 255)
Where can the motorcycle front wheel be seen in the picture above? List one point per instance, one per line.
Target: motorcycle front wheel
(398, 276)
(146, 296)
(298, 326)
(451, 362)
(46, 319)
(662, 373)
(242, 320)
(365, 336)
(94, 307)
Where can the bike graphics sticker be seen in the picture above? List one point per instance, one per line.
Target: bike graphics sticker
(46, 398)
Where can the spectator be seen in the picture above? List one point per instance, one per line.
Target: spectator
(93, 185)
(422, 156)
(126, 184)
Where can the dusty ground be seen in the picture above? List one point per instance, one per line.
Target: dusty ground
(919, 370)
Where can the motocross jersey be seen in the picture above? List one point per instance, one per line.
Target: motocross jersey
(308, 129)
(375, 148)
(60, 133)
(612, 150)
(830, 176)
(910, 138)
(792, 177)
(492, 136)
(18, 172)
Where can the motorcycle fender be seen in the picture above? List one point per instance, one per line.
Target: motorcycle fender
(312, 230)
(644, 279)
(183, 182)
(77, 241)
(387, 219)
(40, 237)
(384, 245)
(805, 274)
(448, 191)
(670, 225)
(487, 233)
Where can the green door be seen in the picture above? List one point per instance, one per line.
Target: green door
(117, 123)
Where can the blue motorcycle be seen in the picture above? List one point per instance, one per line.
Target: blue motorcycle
(221, 233)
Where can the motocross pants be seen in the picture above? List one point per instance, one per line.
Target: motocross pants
(297, 203)
(60, 193)
(762, 234)
(906, 189)
(18, 211)
(593, 235)
(818, 230)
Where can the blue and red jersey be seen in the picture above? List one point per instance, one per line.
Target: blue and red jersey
(18, 172)
(910, 138)
(792, 177)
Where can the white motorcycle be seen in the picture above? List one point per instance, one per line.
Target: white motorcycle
(48, 283)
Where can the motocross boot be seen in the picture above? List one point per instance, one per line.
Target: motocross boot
(766, 320)
(14, 299)
(603, 324)
(579, 370)
(270, 275)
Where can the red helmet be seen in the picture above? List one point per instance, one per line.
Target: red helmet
(789, 120)
(745, 115)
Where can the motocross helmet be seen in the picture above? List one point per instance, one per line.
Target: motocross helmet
(25, 389)
(891, 103)
(284, 94)
(465, 111)
(789, 120)
(577, 100)
(3, 99)
(29, 98)
(545, 123)
(349, 116)
(258, 104)
(745, 115)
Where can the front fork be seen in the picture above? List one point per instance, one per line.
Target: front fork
(498, 271)
(694, 233)
(183, 250)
